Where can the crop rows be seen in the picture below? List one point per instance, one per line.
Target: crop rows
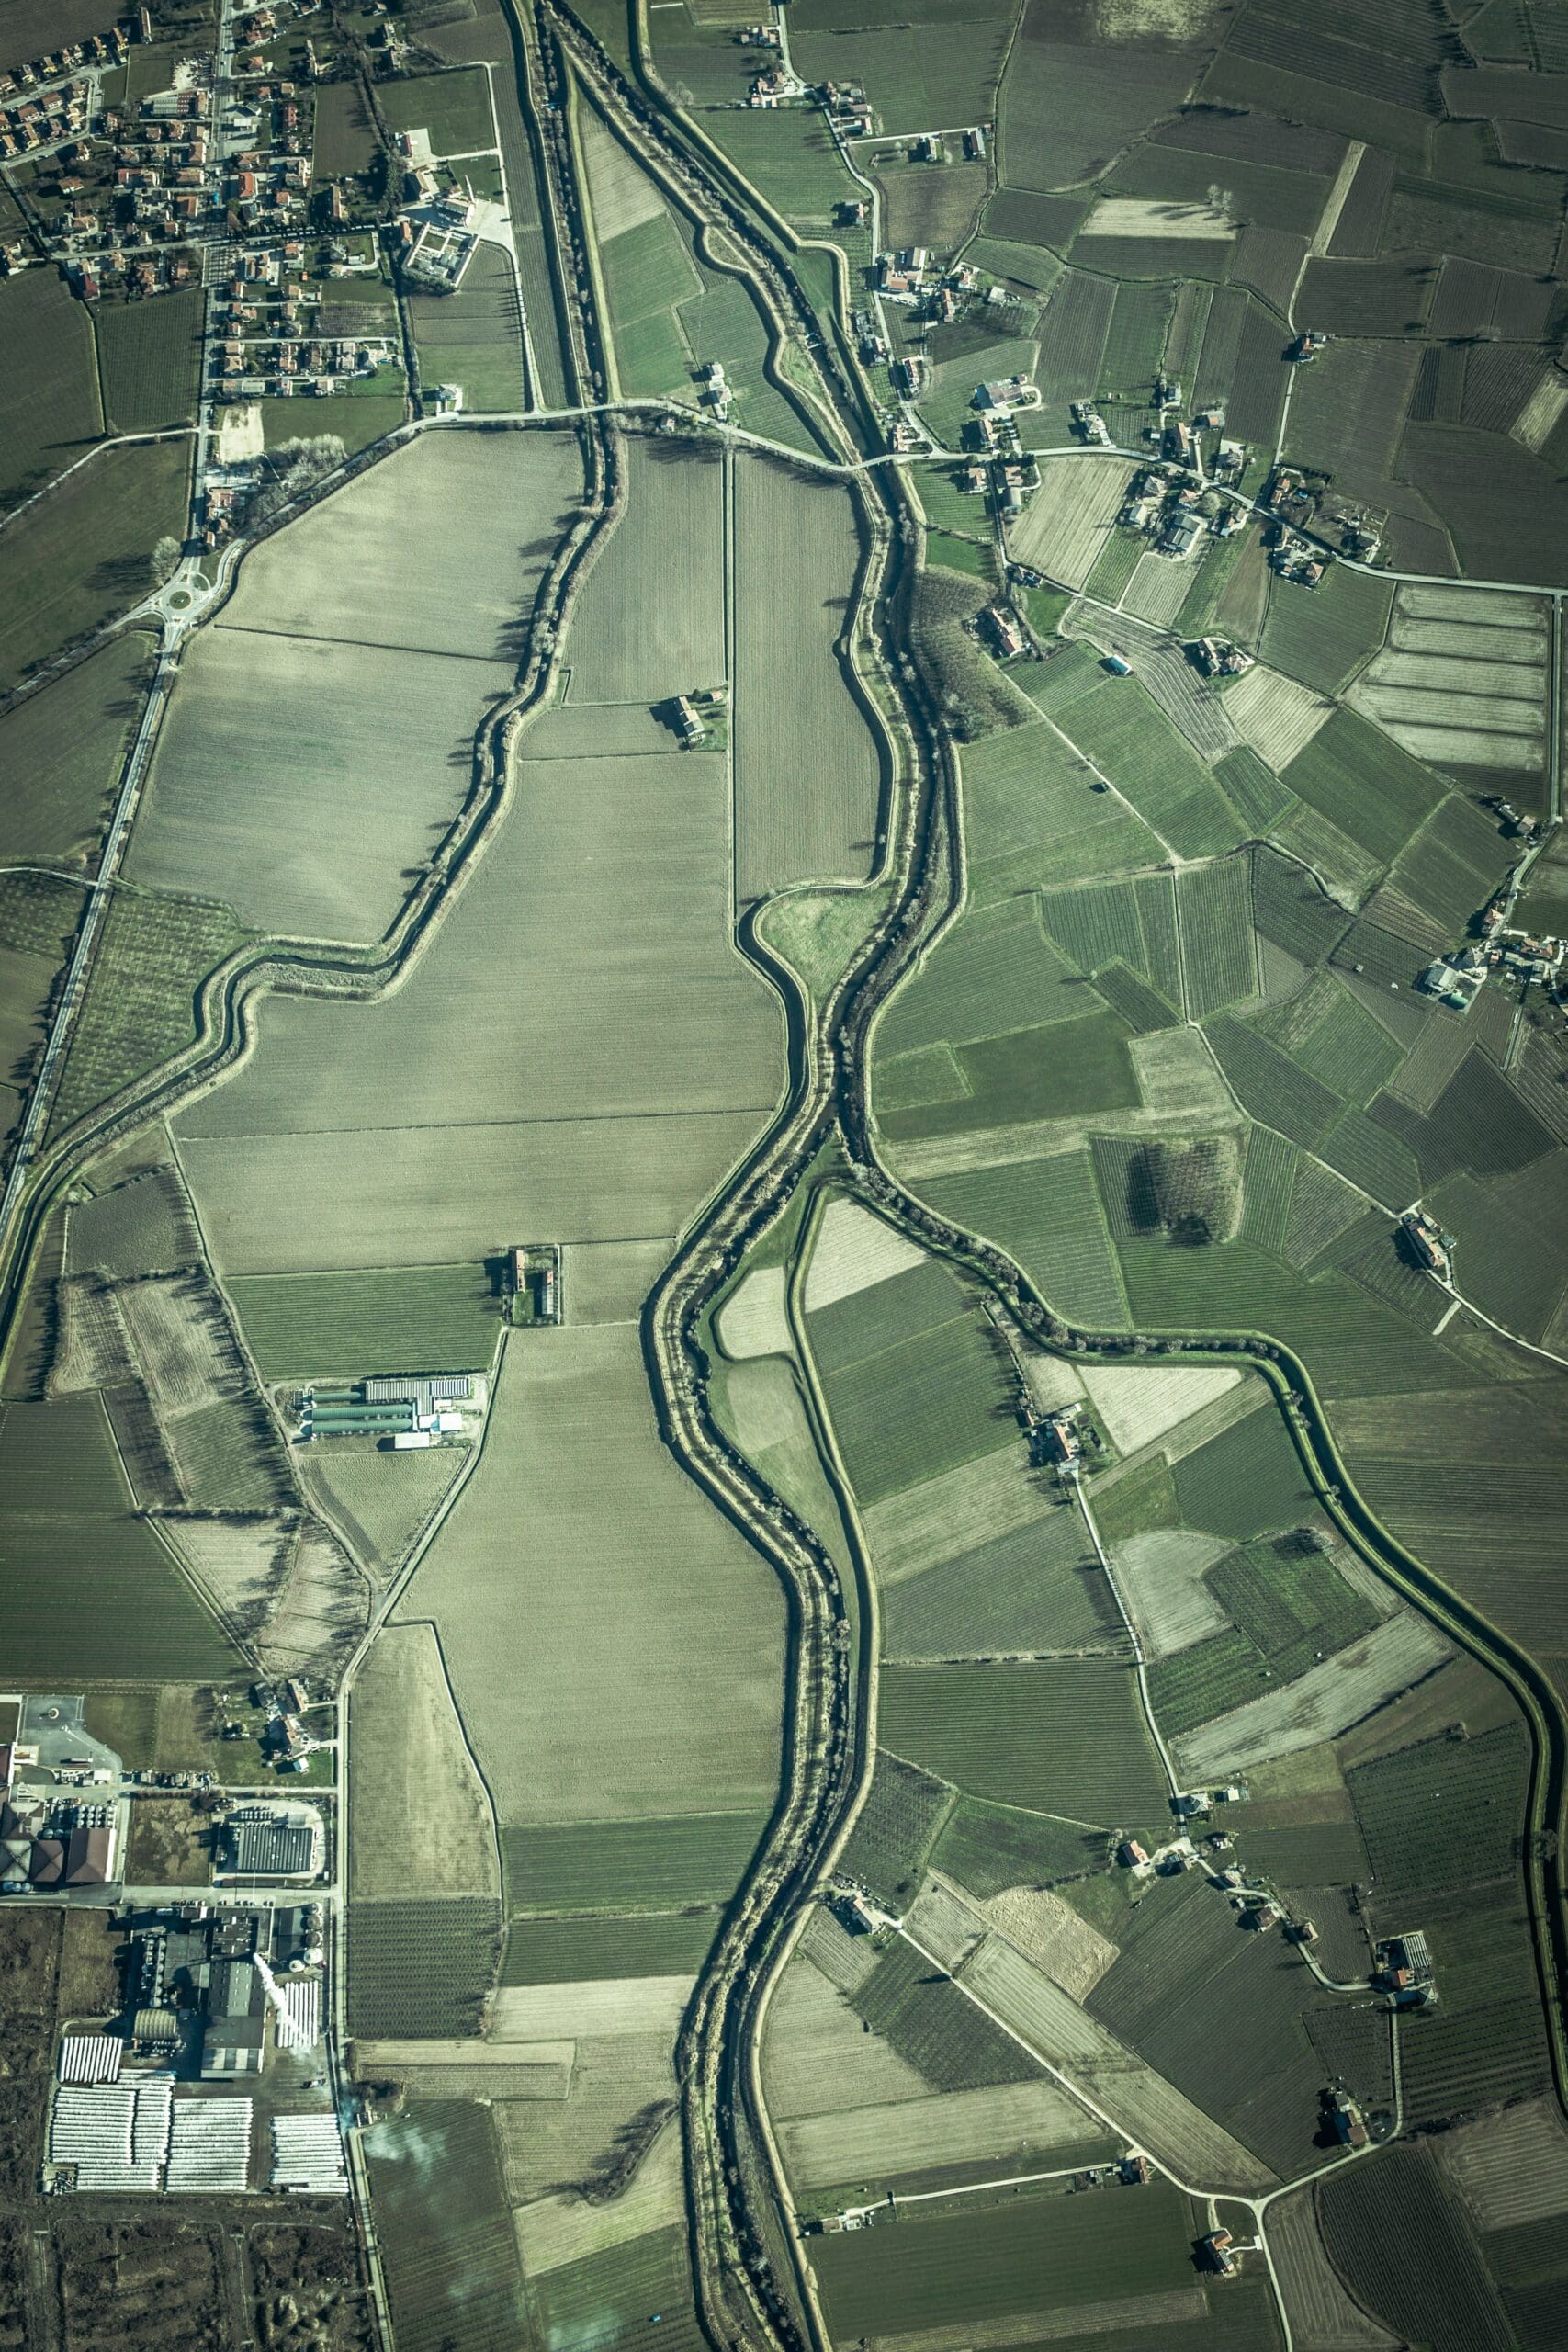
(1064, 1735)
(1217, 936)
(445, 2228)
(1096, 922)
(421, 1968)
(1401, 2246)
(1442, 1814)
(1323, 1207)
(897, 1823)
(927, 2021)
(1272, 1163)
(1047, 1215)
(1271, 1087)
(1245, 1482)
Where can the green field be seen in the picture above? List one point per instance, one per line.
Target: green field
(339, 1327)
(149, 360)
(1323, 635)
(454, 107)
(62, 752)
(989, 1847)
(985, 2261)
(929, 2023)
(1132, 744)
(896, 1828)
(84, 555)
(1064, 1735)
(49, 392)
(614, 1866)
(1361, 780)
(922, 1406)
(558, 1951)
(633, 2298)
(421, 1965)
(474, 337)
(139, 1009)
(1246, 1482)
(95, 1595)
(443, 2215)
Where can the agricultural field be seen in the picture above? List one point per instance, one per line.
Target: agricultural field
(673, 308)
(473, 338)
(63, 751)
(707, 1710)
(49, 392)
(415, 713)
(97, 1595)
(149, 362)
(1044, 2251)
(808, 787)
(1167, 1036)
(83, 556)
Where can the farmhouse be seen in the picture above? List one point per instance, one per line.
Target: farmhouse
(1219, 660)
(1179, 537)
(1405, 1970)
(1006, 636)
(1008, 392)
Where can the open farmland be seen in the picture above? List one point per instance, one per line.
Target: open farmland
(695, 1689)
(453, 2252)
(83, 556)
(1071, 518)
(1461, 680)
(1044, 2251)
(650, 621)
(290, 680)
(806, 779)
(415, 1789)
(94, 1592)
(62, 752)
(1020, 1734)
(49, 392)
(499, 1135)
(1325, 1701)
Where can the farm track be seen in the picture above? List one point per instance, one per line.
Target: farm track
(827, 1759)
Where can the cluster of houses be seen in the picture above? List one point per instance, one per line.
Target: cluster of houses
(1173, 518)
(1008, 476)
(1532, 960)
(261, 346)
(53, 104)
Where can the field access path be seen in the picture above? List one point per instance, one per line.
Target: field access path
(1256, 2207)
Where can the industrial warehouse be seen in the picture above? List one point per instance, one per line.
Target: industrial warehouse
(405, 1413)
(219, 2033)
